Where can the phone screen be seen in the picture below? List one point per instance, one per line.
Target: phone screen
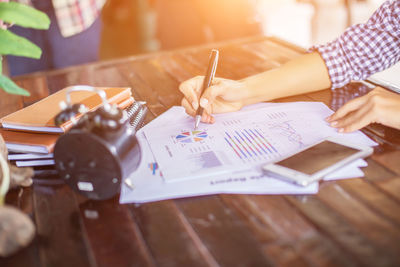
(317, 157)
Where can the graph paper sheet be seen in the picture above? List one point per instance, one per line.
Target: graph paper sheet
(146, 184)
(239, 141)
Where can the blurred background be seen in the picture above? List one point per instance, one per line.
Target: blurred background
(129, 27)
(139, 26)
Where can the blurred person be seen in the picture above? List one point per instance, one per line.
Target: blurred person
(73, 37)
(359, 52)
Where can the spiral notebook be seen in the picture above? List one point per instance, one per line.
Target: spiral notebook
(39, 117)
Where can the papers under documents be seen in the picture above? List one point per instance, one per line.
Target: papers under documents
(242, 140)
(36, 162)
(351, 170)
(29, 156)
(147, 182)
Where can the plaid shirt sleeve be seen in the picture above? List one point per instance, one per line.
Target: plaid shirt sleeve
(364, 49)
(75, 16)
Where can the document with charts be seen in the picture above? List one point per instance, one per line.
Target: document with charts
(239, 141)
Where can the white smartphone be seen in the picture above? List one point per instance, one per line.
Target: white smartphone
(316, 161)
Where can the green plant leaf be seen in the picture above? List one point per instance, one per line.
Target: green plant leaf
(23, 15)
(10, 87)
(12, 44)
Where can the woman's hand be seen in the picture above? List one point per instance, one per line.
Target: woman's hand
(379, 105)
(222, 96)
(306, 73)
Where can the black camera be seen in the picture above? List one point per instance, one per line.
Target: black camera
(101, 149)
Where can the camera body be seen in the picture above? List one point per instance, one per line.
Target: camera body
(98, 152)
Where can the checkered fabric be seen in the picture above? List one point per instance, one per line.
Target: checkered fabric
(74, 16)
(364, 49)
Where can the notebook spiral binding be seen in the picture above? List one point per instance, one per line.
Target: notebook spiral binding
(132, 109)
(136, 114)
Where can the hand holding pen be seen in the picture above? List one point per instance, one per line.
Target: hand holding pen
(212, 68)
(204, 96)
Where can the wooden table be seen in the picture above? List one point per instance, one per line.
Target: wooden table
(348, 223)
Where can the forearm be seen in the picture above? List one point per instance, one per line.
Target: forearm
(304, 74)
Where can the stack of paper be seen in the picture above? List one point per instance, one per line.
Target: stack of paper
(30, 133)
(29, 149)
(226, 157)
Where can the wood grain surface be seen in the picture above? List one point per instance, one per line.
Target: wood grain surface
(354, 222)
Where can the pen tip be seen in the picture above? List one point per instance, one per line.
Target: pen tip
(197, 122)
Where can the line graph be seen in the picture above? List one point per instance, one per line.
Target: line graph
(286, 129)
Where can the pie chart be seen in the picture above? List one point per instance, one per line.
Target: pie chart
(191, 136)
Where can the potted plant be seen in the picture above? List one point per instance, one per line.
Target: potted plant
(16, 228)
(13, 13)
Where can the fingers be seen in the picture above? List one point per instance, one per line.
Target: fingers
(206, 117)
(188, 107)
(360, 111)
(355, 120)
(191, 90)
(209, 96)
(213, 99)
(350, 106)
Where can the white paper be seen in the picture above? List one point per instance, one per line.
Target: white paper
(242, 140)
(361, 163)
(147, 184)
(351, 170)
(26, 156)
(39, 162)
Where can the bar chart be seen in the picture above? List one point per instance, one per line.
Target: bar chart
(250, 144)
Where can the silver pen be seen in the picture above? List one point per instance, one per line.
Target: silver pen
(212, 68)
